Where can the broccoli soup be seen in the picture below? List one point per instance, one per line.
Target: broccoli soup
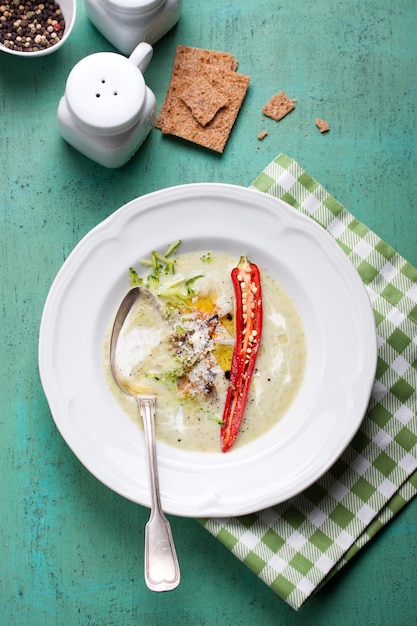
(178, 340)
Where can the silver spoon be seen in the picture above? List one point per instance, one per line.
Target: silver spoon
(162, 571)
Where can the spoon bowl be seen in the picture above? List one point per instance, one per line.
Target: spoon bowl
(161, 564)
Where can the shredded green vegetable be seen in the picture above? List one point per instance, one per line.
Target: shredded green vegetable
(206, 258)
(161, 266)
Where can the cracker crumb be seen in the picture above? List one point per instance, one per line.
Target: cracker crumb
(279, 106)
(322, 125)
(262, 135)
(203, 98)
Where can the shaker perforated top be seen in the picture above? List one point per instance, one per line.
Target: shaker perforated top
(106, 92)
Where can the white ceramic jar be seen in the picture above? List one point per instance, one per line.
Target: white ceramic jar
(125, 23)
(107, 110)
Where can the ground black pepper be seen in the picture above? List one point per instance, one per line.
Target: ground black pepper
(29, 26)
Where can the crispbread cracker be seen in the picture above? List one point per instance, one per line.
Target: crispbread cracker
(202, 99)
(185, 114)
(278, 106)
(188, 57)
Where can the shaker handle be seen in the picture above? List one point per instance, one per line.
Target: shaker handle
(141, 56)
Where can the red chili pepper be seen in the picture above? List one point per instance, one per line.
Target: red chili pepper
(247, 285)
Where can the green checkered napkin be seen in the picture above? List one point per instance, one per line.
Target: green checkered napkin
(296, 546)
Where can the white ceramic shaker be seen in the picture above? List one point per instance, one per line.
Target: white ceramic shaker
(107, 110)
(125, 23)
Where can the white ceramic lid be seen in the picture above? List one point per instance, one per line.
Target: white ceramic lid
(105, 92)
(135, 7)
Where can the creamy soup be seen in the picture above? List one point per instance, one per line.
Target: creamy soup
(178, 345)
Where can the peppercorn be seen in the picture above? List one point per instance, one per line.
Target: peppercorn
(30, 26)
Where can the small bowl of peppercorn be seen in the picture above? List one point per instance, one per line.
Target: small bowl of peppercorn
(34, 28)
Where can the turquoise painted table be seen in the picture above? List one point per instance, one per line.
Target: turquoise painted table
(72, 550)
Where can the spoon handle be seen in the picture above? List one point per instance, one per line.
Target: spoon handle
(162, 571)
